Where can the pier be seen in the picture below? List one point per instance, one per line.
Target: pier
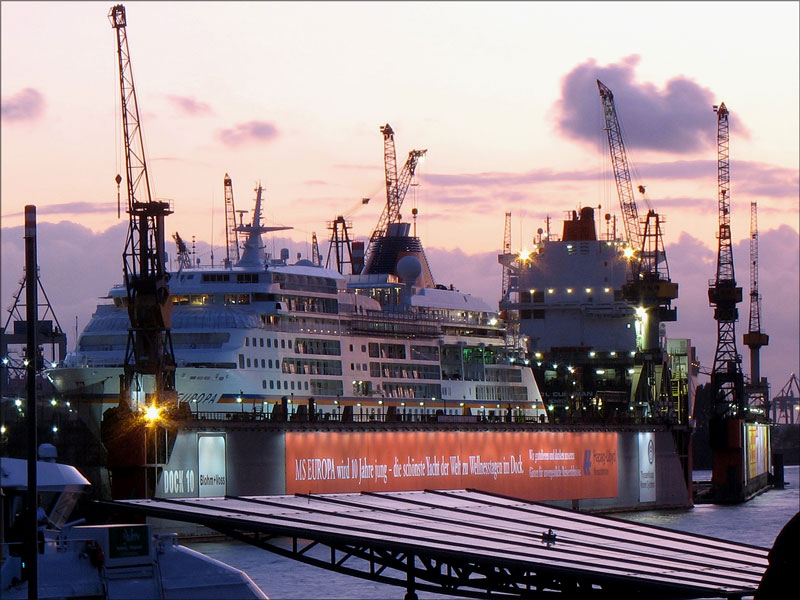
(475, 544)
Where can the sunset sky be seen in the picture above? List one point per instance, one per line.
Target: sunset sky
(502, 95)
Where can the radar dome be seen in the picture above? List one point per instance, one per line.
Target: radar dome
(304, 262)
(409, 269)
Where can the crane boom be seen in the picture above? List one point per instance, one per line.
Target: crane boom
(149, 350)
(627, 202)
(396, 185)
(231, 232)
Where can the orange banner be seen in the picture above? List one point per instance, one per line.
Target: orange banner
(529, 465)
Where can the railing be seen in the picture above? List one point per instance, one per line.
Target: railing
(360, 418)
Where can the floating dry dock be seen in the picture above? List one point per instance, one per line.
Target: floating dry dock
(473, 544)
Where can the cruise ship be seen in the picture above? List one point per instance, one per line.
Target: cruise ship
(265, 335)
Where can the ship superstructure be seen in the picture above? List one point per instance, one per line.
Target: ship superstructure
(585, 339)
(287, 339)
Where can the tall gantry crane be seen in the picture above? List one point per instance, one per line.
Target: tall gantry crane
(149, 349)
(727, 381)
(755, 338)
(396, 188)
(231, 232)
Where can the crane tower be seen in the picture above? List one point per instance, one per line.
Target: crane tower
(396, 189)
(727, 381)
(149, 349)
(755, 338)
(231, 232)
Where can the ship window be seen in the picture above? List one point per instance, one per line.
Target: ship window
(241, 361)
(373, 350)
(351, 347)
(264, 384)
(254, 342)
(270, 363)
(283, 343)
(246, 341)
(271, 384)
(538, 314)
(363, 366)
(261, 342)
(269, 343)
(248, 363)
(352, 367)
(290, 343)
(305, 385)
(286, 385)
(538, 296)
(293, 385)
(363, 348)
(263, 363)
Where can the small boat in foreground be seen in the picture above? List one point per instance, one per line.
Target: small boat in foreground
(102, 561)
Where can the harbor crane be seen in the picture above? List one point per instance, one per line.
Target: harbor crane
(727, 381)
(396, 189)
(622, 175)
(758, 389)
(231, 232)
(649, 287)
(149, 349)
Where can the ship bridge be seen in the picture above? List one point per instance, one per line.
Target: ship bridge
(474, 544)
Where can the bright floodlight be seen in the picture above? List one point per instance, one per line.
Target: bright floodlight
(152, 413)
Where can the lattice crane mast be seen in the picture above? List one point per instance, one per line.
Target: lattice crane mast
(231, 231)
(505, 286)
(727, 381)
(149, 349)
(622, 175)
(755, 338)
(396, 187)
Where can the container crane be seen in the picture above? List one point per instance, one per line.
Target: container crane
(396, 189)
(755, 338)
(149, 349)
(231, 232)
(727, 381)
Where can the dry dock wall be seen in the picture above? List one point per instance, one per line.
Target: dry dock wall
(593, 470)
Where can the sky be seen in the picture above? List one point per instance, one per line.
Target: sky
(502, 96)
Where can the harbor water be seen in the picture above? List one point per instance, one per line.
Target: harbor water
(757, 522)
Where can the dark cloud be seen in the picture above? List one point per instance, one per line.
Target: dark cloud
(71, 208)
(692, 265)
(27, 105)
(252, 131)
(677, 118)
(189, 106)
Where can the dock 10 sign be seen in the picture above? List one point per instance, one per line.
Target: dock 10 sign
(529, 465)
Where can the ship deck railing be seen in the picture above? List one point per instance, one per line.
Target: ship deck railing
(258, 416)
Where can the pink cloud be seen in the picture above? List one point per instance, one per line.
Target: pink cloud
(252, 131)
(190, 106)
(27, 105)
